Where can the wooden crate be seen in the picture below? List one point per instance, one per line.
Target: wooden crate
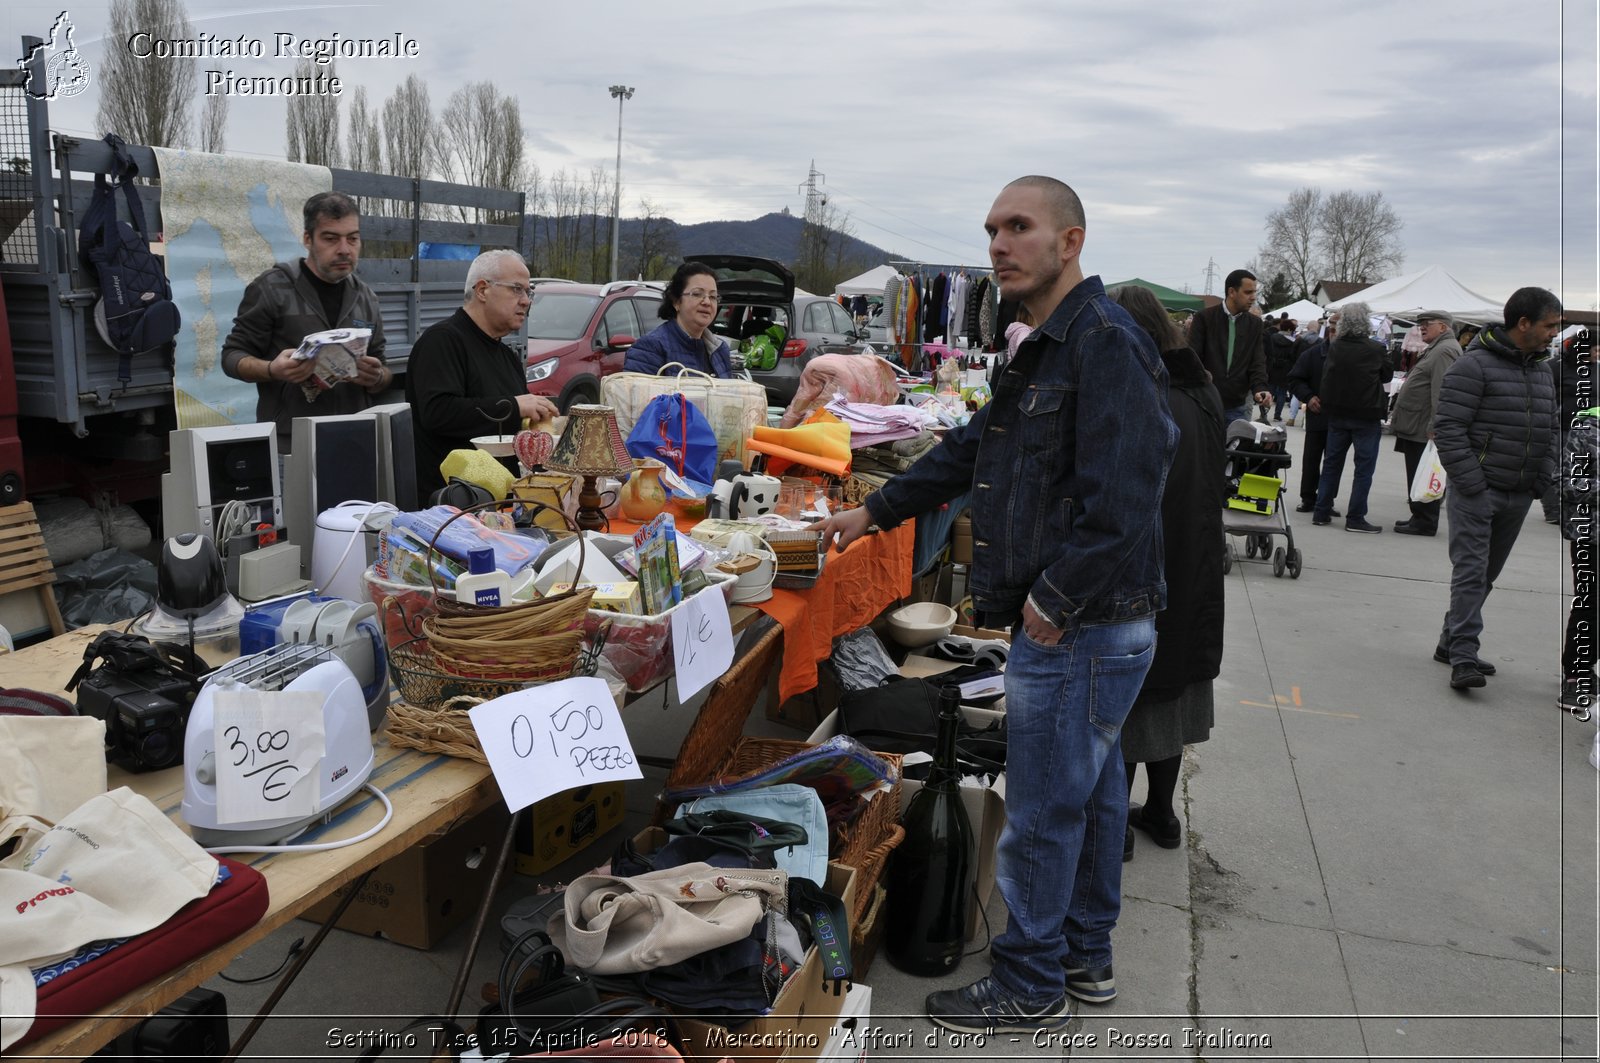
(25, 562)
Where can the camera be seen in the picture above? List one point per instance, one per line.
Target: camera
(143, 692)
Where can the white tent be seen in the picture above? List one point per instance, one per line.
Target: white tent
(1302, 311)
(869, 283)
(1427, 289)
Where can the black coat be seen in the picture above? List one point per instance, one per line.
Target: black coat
(1353, 377)
(1305, 382)
(1189, 629)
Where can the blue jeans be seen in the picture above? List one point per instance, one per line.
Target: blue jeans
(1343, 433)
(1066, 800)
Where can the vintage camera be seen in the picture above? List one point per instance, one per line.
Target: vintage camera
(143, 692)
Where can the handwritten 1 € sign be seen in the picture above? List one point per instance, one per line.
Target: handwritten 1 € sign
(269, 744)
(702, 641)
(553, 738)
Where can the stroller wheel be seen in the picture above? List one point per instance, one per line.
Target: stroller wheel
(1294, 563)
(1227, 559)
(1279, 563)
(1249, 546)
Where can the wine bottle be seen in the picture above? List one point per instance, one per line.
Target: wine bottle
(930, 872)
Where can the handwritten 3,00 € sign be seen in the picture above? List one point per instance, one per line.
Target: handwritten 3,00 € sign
(554, 738)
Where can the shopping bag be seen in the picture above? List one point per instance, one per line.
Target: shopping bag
(674, 432)
(1429, 483)
(733, 407)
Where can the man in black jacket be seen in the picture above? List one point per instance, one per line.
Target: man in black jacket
(1305, 380)
(1495, 429)
(1354, 401)
(1228, 339)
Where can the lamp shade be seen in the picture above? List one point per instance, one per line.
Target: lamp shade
(591, 445)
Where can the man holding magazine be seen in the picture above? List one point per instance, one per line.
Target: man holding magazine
(293, 300)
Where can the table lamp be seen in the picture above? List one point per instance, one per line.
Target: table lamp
(591, 447)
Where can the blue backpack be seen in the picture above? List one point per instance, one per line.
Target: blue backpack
(136, 312)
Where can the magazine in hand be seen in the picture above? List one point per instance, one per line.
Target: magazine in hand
(336, 352)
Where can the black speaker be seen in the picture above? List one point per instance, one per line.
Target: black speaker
(193, 1029)
(239, 468)
(397, 458)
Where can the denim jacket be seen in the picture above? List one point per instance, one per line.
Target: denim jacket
(1066, 494)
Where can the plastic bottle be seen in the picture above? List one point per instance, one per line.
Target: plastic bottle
(483, 584)
(931, 871)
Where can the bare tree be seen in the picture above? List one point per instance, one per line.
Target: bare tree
(146, 101)
(480, 134)
(313, 122)
(824, 239)
(213, 123)
(409, 129)
(363, 144)
(597, 193)
(1291, 244)
(560, 225)
(1359, 237)
(658, 240)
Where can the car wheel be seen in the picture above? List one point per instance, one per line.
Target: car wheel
(583, 393)
(10, 489)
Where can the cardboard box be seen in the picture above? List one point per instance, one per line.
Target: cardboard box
(961, 540)
(852, 1042)
(621, 597)
(418, 897)
(565, 824)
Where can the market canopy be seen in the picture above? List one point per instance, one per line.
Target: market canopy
(1168, 297)
(869, 283)
(1426, 289)
(1302, 311)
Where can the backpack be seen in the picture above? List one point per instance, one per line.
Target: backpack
(135, 312)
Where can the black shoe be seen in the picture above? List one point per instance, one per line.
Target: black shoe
(1466, 676)
(1092, 985)
(1127, 844)
(1305, 507)
(1577, 697)
(1359, 524)
(1319, 521)
(1442, 655)
(1168, 835)
(984, 1006)
(1405, 527)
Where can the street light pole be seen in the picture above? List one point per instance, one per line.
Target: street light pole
(619, 93)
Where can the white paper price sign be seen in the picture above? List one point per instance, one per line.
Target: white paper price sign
(553, 738)
(702, 642)
(269, 744)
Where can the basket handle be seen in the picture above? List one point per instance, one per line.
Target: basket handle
(390, 602)
(684, 371)
(433, 548)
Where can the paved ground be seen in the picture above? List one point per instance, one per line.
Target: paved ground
(1376, 866)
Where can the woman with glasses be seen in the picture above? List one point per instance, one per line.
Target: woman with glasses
(688, 307)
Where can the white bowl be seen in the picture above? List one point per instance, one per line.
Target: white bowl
(921, 624)
(497, 446)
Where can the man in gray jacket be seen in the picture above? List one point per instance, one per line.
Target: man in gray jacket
(1496, 431)
(294, 299)
(1412, 419)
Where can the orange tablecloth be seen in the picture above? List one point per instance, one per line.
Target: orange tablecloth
(854, 587)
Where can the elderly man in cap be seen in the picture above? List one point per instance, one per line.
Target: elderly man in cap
(1414, 407)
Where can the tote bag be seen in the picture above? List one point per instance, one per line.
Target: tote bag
(733, 407)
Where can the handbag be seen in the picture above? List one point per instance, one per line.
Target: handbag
(901, 716)
(1431, 479)
(733, 408)
(674, 432)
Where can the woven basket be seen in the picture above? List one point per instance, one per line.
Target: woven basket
(445, 730)
(553, 615)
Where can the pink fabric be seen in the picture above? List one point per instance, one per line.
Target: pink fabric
(859, 378)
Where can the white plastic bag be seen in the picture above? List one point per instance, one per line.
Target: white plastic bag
(1429, 483)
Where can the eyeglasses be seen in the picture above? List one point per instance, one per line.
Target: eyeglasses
(520, 289)
(700, 295)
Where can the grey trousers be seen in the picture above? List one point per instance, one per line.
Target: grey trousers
(1483, 529)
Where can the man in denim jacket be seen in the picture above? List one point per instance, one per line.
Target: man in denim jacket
(1066, 466)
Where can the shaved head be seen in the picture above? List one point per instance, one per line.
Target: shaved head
(1066, 210)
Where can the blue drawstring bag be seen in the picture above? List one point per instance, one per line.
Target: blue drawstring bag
(674, 432)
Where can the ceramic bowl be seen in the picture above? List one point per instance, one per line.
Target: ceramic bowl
(921, 624)
(496, 446)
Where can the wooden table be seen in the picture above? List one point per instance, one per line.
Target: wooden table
(429, 793)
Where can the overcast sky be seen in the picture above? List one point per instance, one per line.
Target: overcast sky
(1181, 125)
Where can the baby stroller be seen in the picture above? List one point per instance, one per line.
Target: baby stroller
(1257, 459)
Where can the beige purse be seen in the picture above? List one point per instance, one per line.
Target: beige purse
(733, 407)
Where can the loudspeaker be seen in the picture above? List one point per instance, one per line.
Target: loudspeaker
(397, 460)
(332, 460)
(214, 466)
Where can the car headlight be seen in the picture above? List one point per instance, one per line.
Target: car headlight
(542, 370)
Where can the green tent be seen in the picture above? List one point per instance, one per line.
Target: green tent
(1172, 300)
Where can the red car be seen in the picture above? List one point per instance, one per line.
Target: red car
(578, 333)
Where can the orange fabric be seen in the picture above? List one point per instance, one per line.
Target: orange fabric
(821, 443)
(855, 587)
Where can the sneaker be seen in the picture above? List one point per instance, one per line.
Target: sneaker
(1466, 677)
(984, 1006)
(1359, 524)
(1321, 520)
(1092, 985)
(1576, 697)
(1442, 655)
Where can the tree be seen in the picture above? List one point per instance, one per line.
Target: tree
(1277, 292)
(658, 241)
(480, 134)
(146, 101)
(363, 145)
(1359, 237)
(213, 123)
(312, 122)
(1291, 246)
(824, 237)
(409, 129)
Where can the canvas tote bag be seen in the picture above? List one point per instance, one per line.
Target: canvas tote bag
(114, 867)
(734, 407)
(49, 765)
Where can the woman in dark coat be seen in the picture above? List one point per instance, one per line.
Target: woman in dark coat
(1175, 705)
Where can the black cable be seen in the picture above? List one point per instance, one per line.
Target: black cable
(294, 950)
(988, 934)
